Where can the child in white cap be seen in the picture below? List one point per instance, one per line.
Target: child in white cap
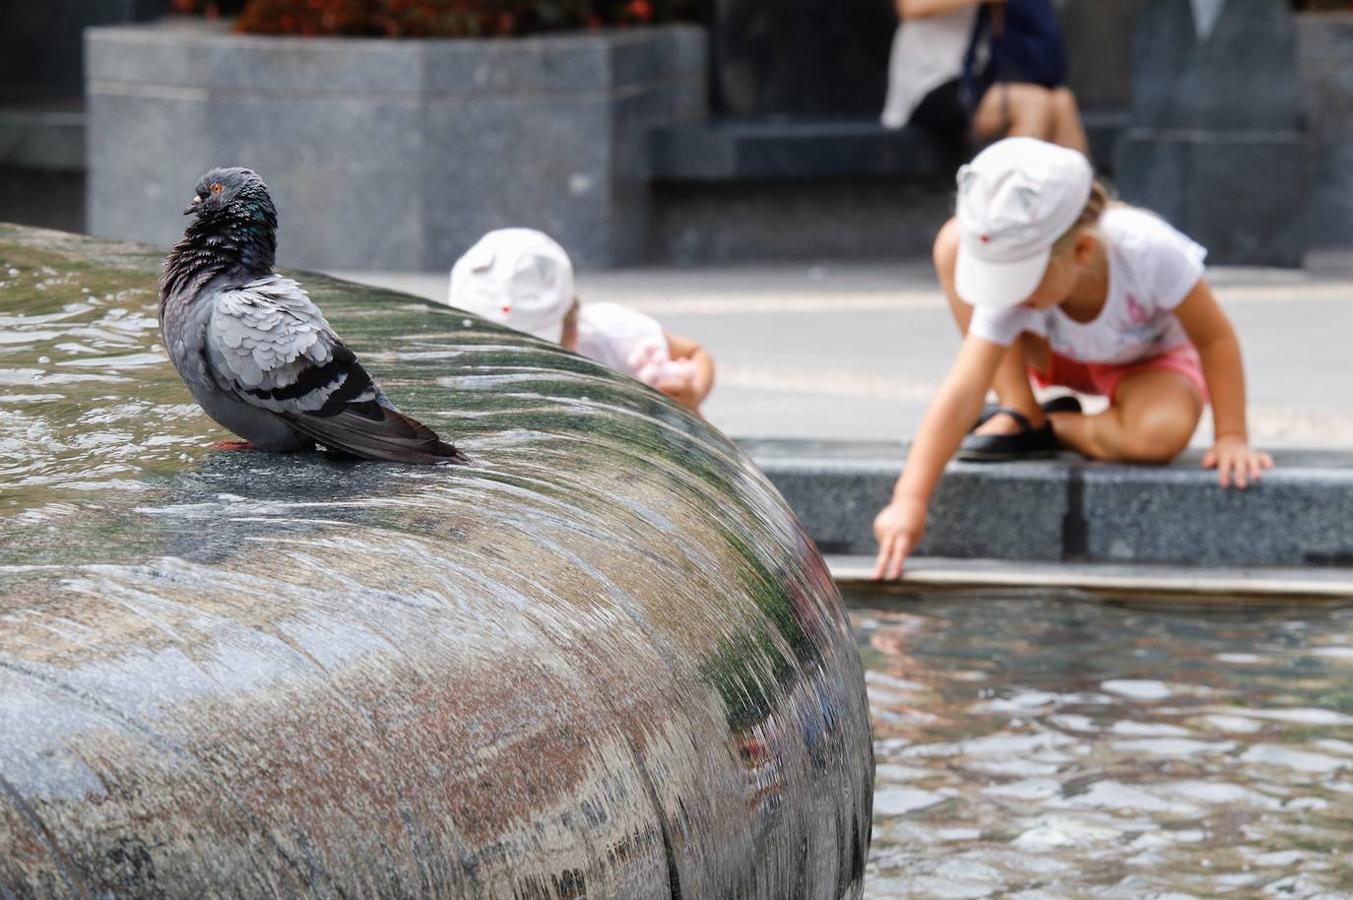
(523, 279)
(1050, 281)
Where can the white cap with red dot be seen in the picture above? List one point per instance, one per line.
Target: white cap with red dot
(1015, 199)
(516, 277)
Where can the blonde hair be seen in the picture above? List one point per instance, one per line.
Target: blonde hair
(1100, 199)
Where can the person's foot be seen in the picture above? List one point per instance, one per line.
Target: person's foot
(1008, 435)
(1067, 403)
(996, 420)
(1006, 422)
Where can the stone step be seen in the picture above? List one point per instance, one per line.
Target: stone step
(793, 149)
(1258, 585)
(42, 138)
(1070, 509)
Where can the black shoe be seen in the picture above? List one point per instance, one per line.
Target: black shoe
(1027, 443)
(988, 411)
(1065, 403)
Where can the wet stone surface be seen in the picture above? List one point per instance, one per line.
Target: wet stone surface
(1036, 747)
(601, 660)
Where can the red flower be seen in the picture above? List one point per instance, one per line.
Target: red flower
(443, 18)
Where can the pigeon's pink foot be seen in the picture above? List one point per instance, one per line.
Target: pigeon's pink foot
(233, 445)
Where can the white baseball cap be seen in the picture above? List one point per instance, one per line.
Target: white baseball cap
(1015, 199)
(516, 277)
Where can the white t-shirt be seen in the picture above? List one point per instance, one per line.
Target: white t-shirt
(1152, 268)
(610, 333)
(927, 52)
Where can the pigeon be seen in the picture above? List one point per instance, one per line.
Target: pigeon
(257, 355)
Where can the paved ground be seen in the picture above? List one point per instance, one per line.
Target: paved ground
(854, 350)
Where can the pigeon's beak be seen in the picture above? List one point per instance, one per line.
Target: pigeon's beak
(192, 207)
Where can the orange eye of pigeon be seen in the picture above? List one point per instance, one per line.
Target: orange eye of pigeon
(216, 187)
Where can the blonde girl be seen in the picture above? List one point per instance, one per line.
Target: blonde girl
(1048, 280)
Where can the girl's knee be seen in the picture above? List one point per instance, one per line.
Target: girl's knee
(1156, 438)
(1150, 450)
(1157, 413)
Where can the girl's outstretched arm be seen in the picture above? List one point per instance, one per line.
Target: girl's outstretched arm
(1212, 333)
(899, 526)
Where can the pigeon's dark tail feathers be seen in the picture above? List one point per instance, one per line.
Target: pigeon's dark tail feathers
(372, 431)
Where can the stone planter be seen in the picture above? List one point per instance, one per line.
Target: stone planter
(389, 154)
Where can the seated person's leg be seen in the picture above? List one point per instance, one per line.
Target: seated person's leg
(1068, 130)
(1151, 419)
(1014, 110)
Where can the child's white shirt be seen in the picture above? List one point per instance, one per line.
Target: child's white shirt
(609, 334)
(1152, 268)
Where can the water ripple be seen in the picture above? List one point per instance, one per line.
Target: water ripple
(1109, 752)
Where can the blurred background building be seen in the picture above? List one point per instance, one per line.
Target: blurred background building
(766, 147)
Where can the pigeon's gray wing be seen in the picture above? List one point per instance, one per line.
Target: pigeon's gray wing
(270, 346)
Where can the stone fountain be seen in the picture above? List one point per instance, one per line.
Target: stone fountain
(603, 660)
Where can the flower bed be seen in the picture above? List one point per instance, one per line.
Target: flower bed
(438, 18)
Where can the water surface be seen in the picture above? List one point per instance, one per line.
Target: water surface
(1030, 746)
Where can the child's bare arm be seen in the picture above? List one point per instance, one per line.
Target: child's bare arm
(1212, 333)
(694, 392)
(958, 402)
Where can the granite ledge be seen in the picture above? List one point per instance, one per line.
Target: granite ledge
(1072, 509)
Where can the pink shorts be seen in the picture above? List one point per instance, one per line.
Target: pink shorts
(1103, 378)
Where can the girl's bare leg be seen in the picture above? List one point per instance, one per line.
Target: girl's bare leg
(1012, 378)
(1031, 110)
(1012, 387)
(1067, 129)
(1151, 419)
(1014, 110)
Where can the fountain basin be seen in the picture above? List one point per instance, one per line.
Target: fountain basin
(602, 660)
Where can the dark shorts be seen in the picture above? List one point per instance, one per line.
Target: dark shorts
(946, 112)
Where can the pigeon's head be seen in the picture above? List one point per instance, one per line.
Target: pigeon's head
(232, 195)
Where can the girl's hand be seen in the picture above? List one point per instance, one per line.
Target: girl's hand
(1236, 463)
(898, 529)
(683, 390)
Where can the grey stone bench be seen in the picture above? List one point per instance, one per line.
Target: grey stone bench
(727, 190)
(1301, 514)
(790, 149)
(42, 138)
(731, 150)
(42, 161)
